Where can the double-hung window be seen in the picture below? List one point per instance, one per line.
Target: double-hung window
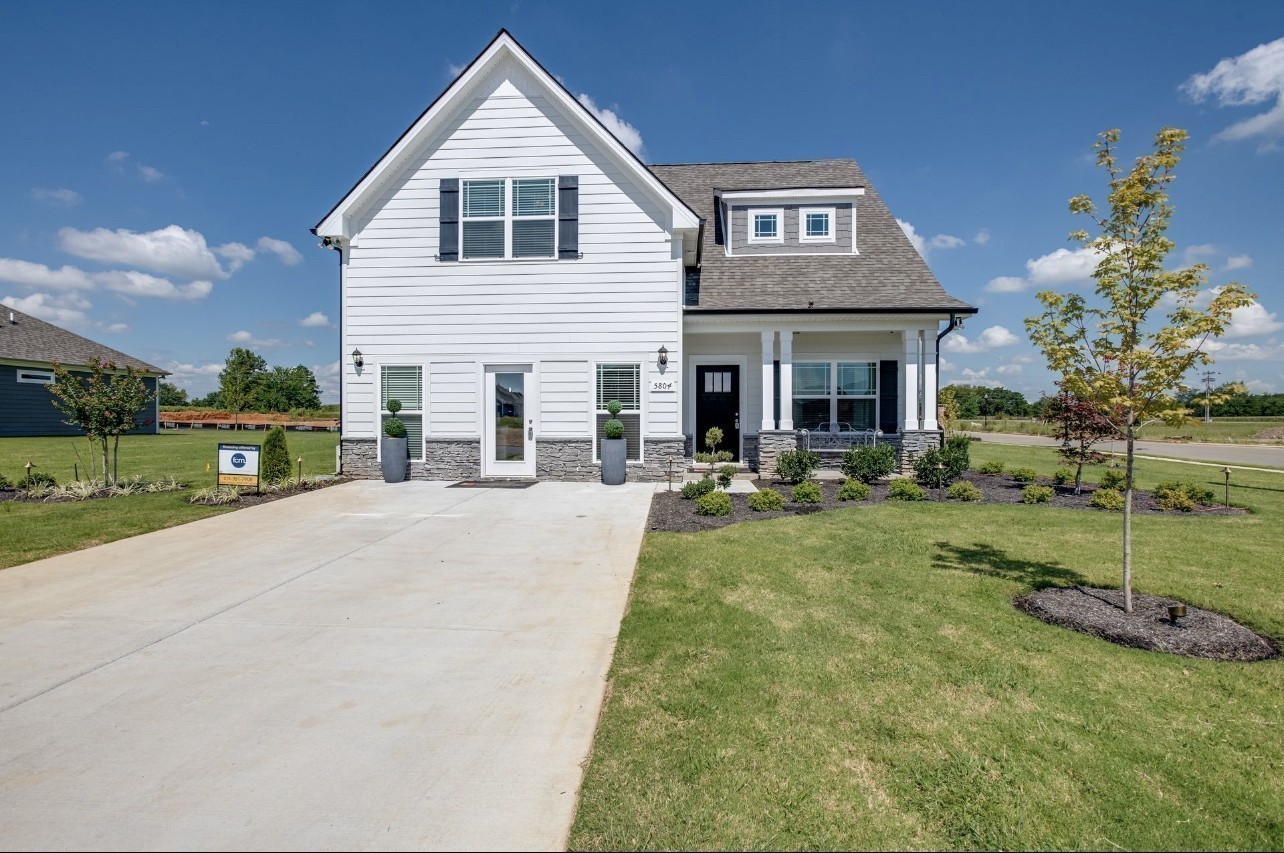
(766, 226)
(509, 218)
(816, 224)
(622, 382)
(835, 392)
(405, 383)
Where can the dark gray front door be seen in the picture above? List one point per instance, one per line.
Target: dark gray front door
(718, 404)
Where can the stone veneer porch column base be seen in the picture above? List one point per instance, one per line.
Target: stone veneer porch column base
(916, 442)
(656, 451)
(359, 458)
(772, 443)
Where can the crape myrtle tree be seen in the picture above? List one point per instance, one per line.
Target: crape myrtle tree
(1121, 350)
(104, 401)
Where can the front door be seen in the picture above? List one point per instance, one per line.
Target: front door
(718, 405)
(508, 444)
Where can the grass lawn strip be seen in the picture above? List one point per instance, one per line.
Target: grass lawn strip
(860, 679)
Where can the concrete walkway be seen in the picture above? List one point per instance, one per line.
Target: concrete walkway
(367, 666)
(1241, 455)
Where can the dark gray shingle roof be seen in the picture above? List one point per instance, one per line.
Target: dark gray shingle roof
(31, 339)
(887, 275)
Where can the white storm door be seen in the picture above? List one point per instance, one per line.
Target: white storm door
(508, 438)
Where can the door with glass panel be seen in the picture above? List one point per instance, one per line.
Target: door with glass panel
(508, 438)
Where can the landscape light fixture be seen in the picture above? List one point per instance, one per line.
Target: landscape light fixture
(357, 360)
(664, 355)
(1176, 612)
(1226, 474)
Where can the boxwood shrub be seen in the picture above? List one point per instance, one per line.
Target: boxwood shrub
(965, 491)
(766, 500)
(806, 492)
(853, 490)
(697, 488)
(1113, 478)
(906, 490)
(713, 503)
(1024, 475)
(795, 466)
(1063, 476)
(869, 463)
(1107, 499)
(1036, 494)
(991, 468)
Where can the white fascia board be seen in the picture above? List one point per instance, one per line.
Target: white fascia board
(337, 222)
(798, 195)
(811, 322)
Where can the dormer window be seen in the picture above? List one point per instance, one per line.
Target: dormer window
(817, 224)
(766, 226)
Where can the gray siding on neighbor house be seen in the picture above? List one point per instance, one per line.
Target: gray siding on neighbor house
(792, 244)
(26, 409)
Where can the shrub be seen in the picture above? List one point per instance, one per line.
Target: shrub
(960, 446)
(393, 407)
(726, 474)
(806, 492)
(1113, 479)
(991, 468)
(766, 500)
(39, 479)
(1176, 499)
(964, 491)
(714, 503)
(1110, 499)
(393, 427)
(1195, 493)
(869, 463)
(276, 456)
(1036, 494)
(1063, 476)
(712, 438)
(697, 488)
(1024, 475)
(853, 490)
(795, 466)
(938, 467)
(613, 428)
(217, 496)
(5, 483)
(905, 490)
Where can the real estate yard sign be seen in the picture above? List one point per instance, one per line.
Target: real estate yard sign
(238, 465)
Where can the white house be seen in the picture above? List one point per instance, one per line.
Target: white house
(508, 267)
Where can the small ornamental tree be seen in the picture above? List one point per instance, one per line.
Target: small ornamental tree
(1118, 351)
(1081, 424)
(102, 400)
(276, 456)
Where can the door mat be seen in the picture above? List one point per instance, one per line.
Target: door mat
(492, 484)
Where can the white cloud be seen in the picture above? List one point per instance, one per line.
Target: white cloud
(39, 276)
(244, 338)
(64, 197)
(979, 377)
(454, 70)
(197, 379)
(991, 338)
(1006, 284)
(1252, 78)
(982, 237)
(945, 364)
(284, 252)
(1258, 386)
(236, 254)
(1238, 262)
(625, 132)
(1064, 266)
(915, 238)
(172, 250)
(116, 328)
(62, 309)
(947, 241)
(134, 283)
(328, 379)
(150, 175)
(1252, 320)
(316, 320)
(116, 160)
(1200, 253)
(1223, 351)
(1009, 369)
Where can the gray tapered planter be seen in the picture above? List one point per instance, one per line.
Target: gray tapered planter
(392, 459)
(615, 455)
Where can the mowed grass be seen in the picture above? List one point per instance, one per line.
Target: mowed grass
(1220, 430)
(859, 679)
(32, 531)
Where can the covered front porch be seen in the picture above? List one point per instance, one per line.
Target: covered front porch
(826, 381)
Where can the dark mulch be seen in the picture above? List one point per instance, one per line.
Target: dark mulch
(1099, 612)
(248, 497)
(670, 512)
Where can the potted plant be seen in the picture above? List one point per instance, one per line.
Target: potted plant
(393, 452)
(613, 447)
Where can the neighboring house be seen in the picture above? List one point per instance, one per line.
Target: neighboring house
(29, 349)
(509, 267)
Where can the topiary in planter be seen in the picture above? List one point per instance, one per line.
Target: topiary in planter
(394, 428)
(906, 490)
(766, 500)
(868, 464)
(1108, 499)
(714, 503)
(807, 492)
(965, 491)
(613, 447)
(393, 450)
(1036, 494)
(853, 490)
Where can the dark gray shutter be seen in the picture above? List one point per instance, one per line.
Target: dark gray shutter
(568, 217)
(448, 221)
(889, 396)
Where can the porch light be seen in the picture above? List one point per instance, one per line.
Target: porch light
(357, 360)
(664, 356)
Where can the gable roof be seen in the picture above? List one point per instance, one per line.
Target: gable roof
(888, 274)
(335, 223)
(32, 339)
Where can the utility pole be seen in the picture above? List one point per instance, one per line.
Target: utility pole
(1208, 394)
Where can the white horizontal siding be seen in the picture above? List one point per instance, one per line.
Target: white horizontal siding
(564, 392)
(453, 403)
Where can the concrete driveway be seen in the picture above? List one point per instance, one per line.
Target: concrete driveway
(367, 666)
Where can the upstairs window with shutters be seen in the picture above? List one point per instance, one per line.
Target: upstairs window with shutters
(509, 218)
(621, 382)
(406, 384)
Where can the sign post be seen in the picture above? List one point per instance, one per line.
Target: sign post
(238, 465)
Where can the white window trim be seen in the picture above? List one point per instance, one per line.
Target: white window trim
(594, 411)
(831, 237)
(833, 395)
(35, 377)
(751, 225)
(510, 214)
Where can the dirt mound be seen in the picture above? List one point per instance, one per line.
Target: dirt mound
(1271, 434)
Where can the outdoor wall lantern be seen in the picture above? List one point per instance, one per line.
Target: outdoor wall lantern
(357, 360)
(664, 356)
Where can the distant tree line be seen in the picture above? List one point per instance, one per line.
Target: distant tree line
(975, 402)
(1235, 405)
(248, 384)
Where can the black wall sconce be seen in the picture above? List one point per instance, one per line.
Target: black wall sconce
(357, 359)
(664, 356)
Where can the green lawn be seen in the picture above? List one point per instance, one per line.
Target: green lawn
(859, 679)
(31, 531)
(1220, 430)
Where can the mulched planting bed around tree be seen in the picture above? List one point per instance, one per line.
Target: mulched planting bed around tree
(670, 512)
(1099, 612)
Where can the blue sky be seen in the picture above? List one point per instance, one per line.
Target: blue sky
(166, 160)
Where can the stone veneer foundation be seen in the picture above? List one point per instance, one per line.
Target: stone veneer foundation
(769, 444)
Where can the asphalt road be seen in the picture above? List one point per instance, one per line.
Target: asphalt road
(1235, 455)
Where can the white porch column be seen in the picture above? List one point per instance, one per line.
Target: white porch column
(909, 394)
(786, 379)
(768, 380)
(929, 379)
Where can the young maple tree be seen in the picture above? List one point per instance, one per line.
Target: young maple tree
(1122, 352)
(103, 400)
(1081, 424)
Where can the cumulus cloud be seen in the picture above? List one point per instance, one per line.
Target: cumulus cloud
(1200, 253)
(623, 131)
(328, 379)
(134, 283)
(991, 338)
(63, 197)
(947, 241)
(39, 276)
(1252, 320)
(172, 250)
(245, 339)
(915, 238)
(979, 377)
(924, 245)
(62, 309)
(116, 160)
(1006, 284)
(236, 255)
(1238, 262)
(1223, 351)
(198, 379)
(455, 70)
(982, 237)
(1064, 266)
(1250, 79)
(316, 320)
(284, 252)
(1009, 369)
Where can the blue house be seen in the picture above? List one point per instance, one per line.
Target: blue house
(29, 348)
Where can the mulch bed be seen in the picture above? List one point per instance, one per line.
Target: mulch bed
(669, 512)
(1099, 612)
(248, 498)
